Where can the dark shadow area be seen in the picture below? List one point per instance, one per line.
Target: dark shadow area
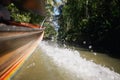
(111, 50)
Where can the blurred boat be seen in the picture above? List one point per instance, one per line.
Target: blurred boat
(16, 44)
(19, 40)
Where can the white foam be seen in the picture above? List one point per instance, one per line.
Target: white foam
(71, 66)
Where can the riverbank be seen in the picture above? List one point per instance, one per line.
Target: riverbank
(93, 48)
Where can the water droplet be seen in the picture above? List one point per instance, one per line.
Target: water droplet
(90, 47)
(84, 42)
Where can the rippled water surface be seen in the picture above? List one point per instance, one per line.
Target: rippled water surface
(50, 62)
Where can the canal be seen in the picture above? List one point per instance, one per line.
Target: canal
(51, 62)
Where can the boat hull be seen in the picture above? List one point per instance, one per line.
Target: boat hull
(15, 48)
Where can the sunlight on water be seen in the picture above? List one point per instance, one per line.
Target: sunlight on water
(70, 66)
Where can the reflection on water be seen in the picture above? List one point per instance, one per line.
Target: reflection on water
(49, 62)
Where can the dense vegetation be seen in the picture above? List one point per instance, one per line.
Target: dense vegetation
(24, 15)
(50, 33)
(91, 22)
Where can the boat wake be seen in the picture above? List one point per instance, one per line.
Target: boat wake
(69, 65)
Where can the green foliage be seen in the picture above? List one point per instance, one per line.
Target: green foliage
(90, 20)
(17, 15)
(49, 31)
(36, 19)
(24, 16)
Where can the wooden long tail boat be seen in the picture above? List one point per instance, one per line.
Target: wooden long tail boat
(17, 43)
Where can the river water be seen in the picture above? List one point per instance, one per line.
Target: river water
(51, 62)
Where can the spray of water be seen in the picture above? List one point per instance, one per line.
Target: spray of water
(71, 66)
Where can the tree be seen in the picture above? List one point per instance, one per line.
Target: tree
(93, 21)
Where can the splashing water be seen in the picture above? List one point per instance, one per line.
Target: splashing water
(71, 66)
